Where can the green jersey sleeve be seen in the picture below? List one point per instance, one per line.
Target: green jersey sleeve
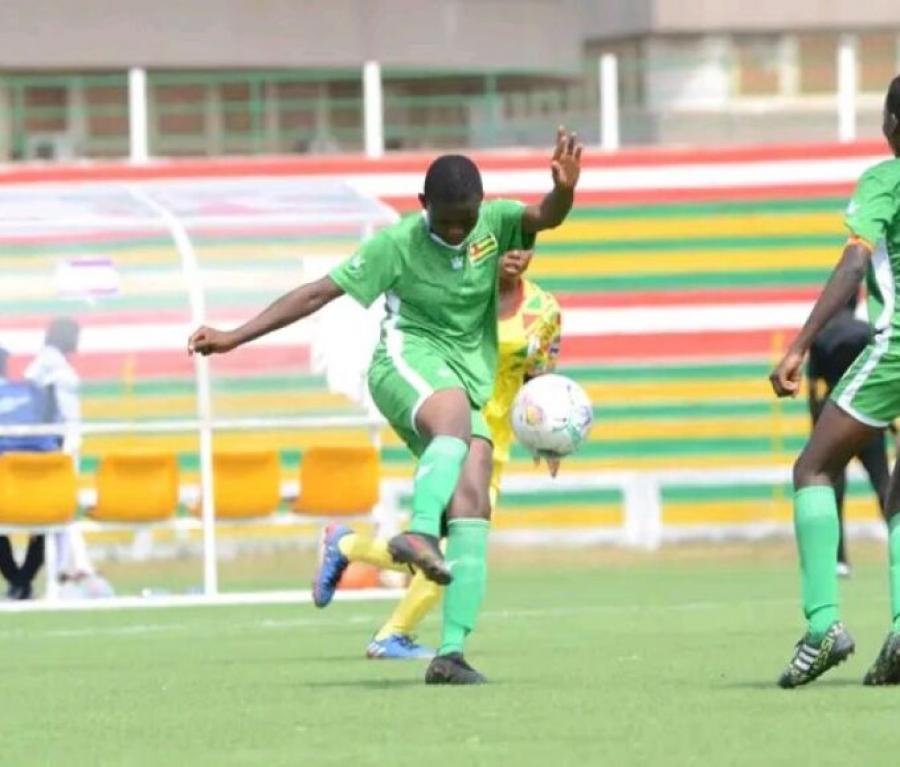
(872, 206)
(369, 272)
(508, 222)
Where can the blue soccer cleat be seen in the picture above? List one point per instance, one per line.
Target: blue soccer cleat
(331, 564)
(398, 647)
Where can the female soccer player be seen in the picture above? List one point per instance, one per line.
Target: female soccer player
(434, 367)
(529, 337)
(864, 402)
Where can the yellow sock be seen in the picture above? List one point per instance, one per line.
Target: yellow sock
(359, 548)
(421, 596)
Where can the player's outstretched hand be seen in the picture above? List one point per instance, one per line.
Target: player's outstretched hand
(566, 162)
(514, 263)
(785, 378)
(207, 341)
(552, 464)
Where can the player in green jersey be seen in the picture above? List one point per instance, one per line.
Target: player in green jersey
(864, 402)
(435, 364)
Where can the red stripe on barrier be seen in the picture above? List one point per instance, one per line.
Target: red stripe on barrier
(417, 162)
(251, 360)
(614, 197)
(670, 346)
(92, 366)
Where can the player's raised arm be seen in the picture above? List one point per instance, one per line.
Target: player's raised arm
(842, 285)
(565, 166)
(293, 306)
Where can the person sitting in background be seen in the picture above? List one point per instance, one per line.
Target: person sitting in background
(833, 350)
(21, 404)
(52, 370)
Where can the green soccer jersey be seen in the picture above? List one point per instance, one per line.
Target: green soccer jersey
(873, 215)
(439, 298)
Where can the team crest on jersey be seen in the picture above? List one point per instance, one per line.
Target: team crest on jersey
(482, 248)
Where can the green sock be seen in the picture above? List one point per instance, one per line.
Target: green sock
(816, 527)
(894, 558)
(467, 553)
(436, 477)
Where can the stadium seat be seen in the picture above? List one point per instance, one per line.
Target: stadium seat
(247, 483)
(338, 481)
(136, 487)
(37, 489)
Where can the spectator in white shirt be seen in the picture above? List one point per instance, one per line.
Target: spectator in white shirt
(51, 368)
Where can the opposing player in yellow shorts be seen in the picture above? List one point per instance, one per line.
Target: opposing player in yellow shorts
(528, 338)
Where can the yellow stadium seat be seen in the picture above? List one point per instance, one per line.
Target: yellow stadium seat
(247, 483)
(37, 489)
(136, 487)
(339, 481)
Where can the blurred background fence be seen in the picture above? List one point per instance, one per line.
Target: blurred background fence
(694, 90)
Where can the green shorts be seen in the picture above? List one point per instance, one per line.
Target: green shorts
(399, 385)
(870, 389)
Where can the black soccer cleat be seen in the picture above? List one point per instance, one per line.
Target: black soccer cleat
(886, 668)
(422, 552)
(452, 669)
(811, 661)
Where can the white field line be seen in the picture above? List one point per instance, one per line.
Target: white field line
(299, 623)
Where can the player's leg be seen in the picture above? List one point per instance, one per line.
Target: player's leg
(395, 638)
(419, 600)
(467, 535)
(443, 420)
(886, 668)
(874, 458)
(338, 547)
(836, 437)
(840, 492)
(31, 565)
(8, 567)
(426, 405)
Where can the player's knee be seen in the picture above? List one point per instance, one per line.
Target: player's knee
(446, 412)
(810, 471)
(804, 473)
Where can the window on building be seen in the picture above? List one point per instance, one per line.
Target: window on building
(817, 59)
(877, 56)
(757, 63)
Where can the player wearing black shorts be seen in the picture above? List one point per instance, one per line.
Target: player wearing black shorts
(834, 349)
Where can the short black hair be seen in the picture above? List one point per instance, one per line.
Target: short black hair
(453, 178)
(892, 102)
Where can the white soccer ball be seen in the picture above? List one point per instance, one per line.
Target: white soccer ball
(551, 416)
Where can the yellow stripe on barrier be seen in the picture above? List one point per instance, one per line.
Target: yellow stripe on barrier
(253, 404)
(719, 260)
(756, 510)
(627, 228)
(660, 392)
(557, 517)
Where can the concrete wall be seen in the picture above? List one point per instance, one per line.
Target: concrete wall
(712, 15)
(612, 19)
(457, 34)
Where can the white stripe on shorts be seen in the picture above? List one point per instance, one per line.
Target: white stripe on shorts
(884, 276)
(393, 342)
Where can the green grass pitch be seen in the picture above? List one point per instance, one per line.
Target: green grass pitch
(597, 658)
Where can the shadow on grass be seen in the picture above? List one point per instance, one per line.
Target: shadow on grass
(367, 684)
(761, 684)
